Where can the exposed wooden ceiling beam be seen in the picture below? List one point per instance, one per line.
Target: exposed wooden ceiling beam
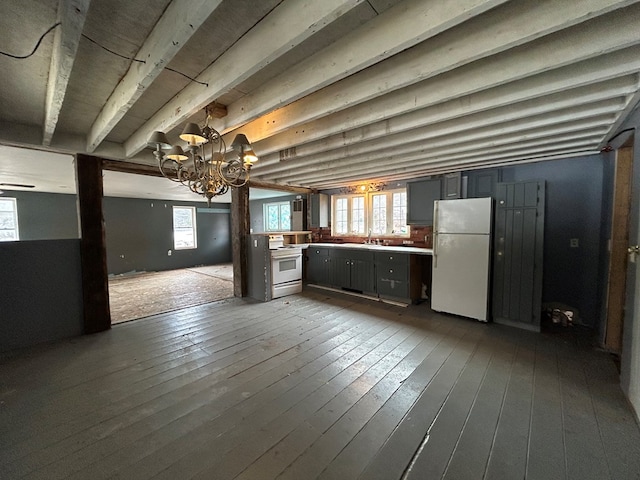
(402, 26)
(280, 31)
(588, 73)
(130, 167)
(423, 139)
(485, 36)
(71, 15)
(276, 186)
(422, 153)
(443, 119)
(633, 103)
(532, 149)
(476, 126)
(178, 24)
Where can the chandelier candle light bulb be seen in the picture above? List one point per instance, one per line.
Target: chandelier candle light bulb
(211, 177)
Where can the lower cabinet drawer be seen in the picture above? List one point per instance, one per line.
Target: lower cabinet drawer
(393, 287)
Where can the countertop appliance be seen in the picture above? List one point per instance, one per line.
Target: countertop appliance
(462, 256)
(275, 269)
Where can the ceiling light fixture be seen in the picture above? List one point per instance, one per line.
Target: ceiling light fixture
(363, 188)
(209, 177)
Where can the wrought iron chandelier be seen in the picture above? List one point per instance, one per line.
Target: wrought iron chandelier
(205, 171)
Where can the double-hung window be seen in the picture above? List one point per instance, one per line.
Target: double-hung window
(349, 215)
(184, 228)
(382, 213)
(8, 220)
(277, 216)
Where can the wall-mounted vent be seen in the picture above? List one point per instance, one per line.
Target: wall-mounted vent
(287, 154)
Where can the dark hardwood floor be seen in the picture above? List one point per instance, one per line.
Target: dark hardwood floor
(316, 385)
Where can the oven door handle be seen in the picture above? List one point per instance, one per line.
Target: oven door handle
(286, 257)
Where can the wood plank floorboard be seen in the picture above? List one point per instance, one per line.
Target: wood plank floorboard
(315, 385)
(187, 378)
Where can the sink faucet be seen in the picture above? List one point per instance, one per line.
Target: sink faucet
(368, 238)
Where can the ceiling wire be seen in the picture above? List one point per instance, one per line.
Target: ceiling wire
(52, 27)
(23, 57)
(142, 61)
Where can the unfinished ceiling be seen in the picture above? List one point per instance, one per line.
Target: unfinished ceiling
(330, 93)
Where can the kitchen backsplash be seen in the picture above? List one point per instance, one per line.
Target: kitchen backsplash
(418, 237)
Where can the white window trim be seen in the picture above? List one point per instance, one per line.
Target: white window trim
(15, 219)
(368, 220)
(194, 227)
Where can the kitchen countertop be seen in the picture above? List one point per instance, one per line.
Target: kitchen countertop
(381, 248)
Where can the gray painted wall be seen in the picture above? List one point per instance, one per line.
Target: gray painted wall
(45, 216)
(40, 292)
(141, 230)
(139, 235)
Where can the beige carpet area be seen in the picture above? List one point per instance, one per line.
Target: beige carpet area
(148, 293)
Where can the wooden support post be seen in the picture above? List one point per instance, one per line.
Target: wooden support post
(239, 234)
(95, 287)
(619, 244)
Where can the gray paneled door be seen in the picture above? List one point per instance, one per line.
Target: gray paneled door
(517, 262)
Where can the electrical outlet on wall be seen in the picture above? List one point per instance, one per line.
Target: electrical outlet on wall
(574, 243)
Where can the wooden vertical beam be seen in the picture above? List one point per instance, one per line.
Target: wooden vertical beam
(619, 244)
(240, 222)
(95, 287)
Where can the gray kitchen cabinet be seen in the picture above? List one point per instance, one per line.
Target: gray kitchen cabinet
(319, 210)
(482, 183)
(400, 276)
(452, 184)
(392, 275)
(318, 266)
(420, 198)
(352, 270)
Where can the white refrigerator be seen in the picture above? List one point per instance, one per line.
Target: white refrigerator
(461, 257)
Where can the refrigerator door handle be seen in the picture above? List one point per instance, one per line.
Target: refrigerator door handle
(434, 255)
(435, 216)
(435, 234)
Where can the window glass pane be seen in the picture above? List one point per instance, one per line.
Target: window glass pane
(400, 213)
(341, 216)
(357, 215)
(184, 228)
(379, 203)
(277, 216)
(285, 216)
(8, 220)
(272, 217)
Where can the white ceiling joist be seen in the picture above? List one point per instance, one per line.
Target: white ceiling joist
(631, 105)
(453, 162)
(451, 50)
(71, 15)
(523, 95)
(178, 24)
(588, 72)
(436, 168)
(423, 150)
(483, 124)
(402, 26)
(280, 31)
(452, 153)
